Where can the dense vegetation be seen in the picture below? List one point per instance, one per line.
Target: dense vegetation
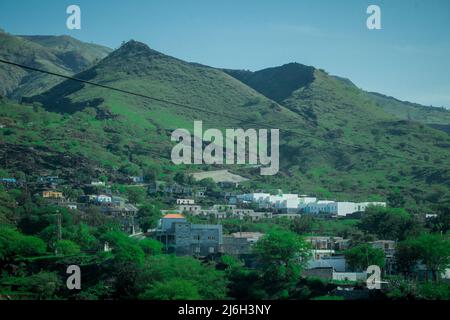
(337, 142)
(33, 261)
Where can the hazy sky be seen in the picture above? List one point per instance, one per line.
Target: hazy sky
(409, 58)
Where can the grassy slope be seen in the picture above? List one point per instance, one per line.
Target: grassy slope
(77, 54)
(328, 114)
(412, 111)
(410, 156)
(139, 125)
(57, 54)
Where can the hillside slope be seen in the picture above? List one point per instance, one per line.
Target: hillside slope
(74, 53)
(335, 141)
(433, 116)
(63, 55)
(280, 83)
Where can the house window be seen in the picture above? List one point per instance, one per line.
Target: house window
(211, 249)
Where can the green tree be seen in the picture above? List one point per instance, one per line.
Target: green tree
(243, 283)
(67, 247)
(389, 223)
(135, 194)
(433, 250)
(15, 244)
(151, 246)
(208, 183)
(396, 199)
(7, 205)
(84, 237)
(442, 222)
(364, 255)
(302, 224)
(173, 289)
(282, 255)
(128, 258)
(151, 174)
(44, 284)
(408, 289)
(125, 249)
(149, 215)
(210, 283)
(39, 286)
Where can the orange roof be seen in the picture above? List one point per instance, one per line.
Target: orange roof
(173, 216)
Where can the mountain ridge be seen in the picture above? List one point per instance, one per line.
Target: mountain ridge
(335, 140)
(59, 54)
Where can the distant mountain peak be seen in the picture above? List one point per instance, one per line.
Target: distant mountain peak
(276, 83)
(135, 46)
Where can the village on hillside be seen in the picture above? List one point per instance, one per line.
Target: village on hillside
(213, 216)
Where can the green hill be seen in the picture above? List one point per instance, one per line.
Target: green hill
(76, 54)
(276, 83)
(433, 116)
(279, 84)
(336, 142)
(61, 54)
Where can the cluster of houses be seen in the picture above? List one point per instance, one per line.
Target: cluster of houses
(219, 211)
(181, 237)
(10, 182)
(327, 260)
(273, 206)
(294, 203)
(97, 195)
(176, 189)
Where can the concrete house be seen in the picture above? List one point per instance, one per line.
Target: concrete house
(190, 208)
(185, 201)
(224, 207)
(240, 243)
(102, 198)
(339, 208)
(388, 247)
(50, 194)
(125, 215)
(184, 238)
(98, 183)
(136, 179)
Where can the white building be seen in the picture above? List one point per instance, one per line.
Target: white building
(339, 208)
(251, 237)
(185, 201)
(255, 216)
(252, 197)
(101, 198)
(304, 199)
(350, 276)
(317, 207)
(97, 183)
(189, 208)
(224, 207)
(242, 212)
(266, 200)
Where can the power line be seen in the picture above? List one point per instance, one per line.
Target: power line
(185, 106)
